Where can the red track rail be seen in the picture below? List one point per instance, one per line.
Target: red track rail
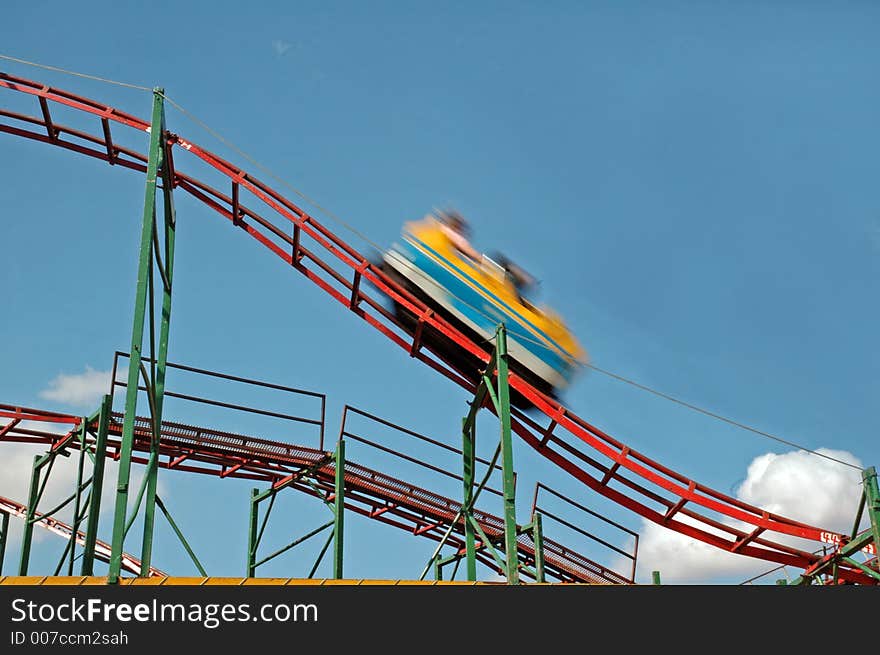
(596, 459)
(311, 471)
(102, 549)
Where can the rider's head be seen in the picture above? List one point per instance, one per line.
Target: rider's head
(454, 220)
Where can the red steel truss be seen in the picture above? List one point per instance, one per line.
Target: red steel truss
(593, 457)
(368, 492)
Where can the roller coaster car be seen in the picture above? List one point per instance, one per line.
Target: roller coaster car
(476, 297)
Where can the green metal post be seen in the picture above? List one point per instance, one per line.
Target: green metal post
(145, 264)
(77, 517)
(655, 575)
(4, 535)
(252, 534)
(91, 536)
(180, 536)
(339, 508)
(33, 498)
(321, 555)
(158, 385)
(872, 501)
(510, 546)
(538, 538)
(469, 453)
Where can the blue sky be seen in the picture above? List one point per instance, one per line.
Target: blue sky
(691, 182)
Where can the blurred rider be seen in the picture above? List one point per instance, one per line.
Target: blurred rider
(457, 230)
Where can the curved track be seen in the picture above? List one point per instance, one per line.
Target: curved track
(102, 549)
(368, 492)
(596, 459)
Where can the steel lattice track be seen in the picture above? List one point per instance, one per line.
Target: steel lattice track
(593, 457)
(368, 492)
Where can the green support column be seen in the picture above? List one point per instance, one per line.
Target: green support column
(499, 393)
(339, 507)
(872, 501)
(143, 304)
(4, 535)
(77, 517)
(252, 534)
(538, 538)
(158, 378)
(28, 535)
(91, 532)
(469, 455)
(509, 489)
(655, 577)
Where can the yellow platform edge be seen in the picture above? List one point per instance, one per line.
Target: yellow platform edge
(169, 581)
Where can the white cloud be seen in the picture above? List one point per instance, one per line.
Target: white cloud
(805, 487)
(798, 485)
(80, 389)
(281, 47)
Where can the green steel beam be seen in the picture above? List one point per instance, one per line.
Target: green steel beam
(295, 542)
(77, 517)
(538, 539)
(486, 543)
(872, 501)
(70, 545)
(140, 496)
(91, 532)
(296, 477)
(460, 515)
(469, 455)
(145, 264)
(255, 534)
(509, 487)
(867, 571)
(321, 554)
(33, 499)
(159, 360)
(499, 393)
(440, 545)
(252, 534)
(339, 509)
(62, 444)
(64, 503)
(454, 570)
(180, 536)
(4, 535)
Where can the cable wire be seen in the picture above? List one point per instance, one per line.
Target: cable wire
(719, 417)
(268, 172)
(379, 248)
(74, 73)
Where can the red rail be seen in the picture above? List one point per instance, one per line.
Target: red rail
(368, 492)
(102, 549)
(588, 454)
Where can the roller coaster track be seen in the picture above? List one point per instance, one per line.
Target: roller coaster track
(50, 523)
(368, 492)
(591, 456)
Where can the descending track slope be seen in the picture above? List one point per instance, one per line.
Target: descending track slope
(593, 457)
